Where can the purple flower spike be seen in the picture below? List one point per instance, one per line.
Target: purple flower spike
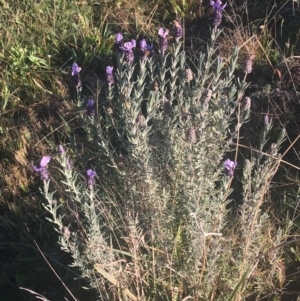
(91, 177)
(143, 45)
(61, 149)
(118, 42)
(109, 76)
(76, 76)
(177, 30)
(133, 43)
(91, 108)
(163, 40)
(44, 161)
(218, 12)
(217, 18)
(146, 50)
(43, 168)
(75, 69)
(127, 49)
(229, 167)
(119, 38)
(267, 120)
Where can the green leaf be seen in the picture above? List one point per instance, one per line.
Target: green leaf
(236, 289)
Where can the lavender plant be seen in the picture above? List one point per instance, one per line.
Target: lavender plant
(153, 220)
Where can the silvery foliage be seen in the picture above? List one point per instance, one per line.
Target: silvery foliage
(158, 221)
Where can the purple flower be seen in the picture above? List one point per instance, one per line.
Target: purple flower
(163, 40)
(109, 69)
(90, 177)
(248, 64)
(119, 38)
(229, 167)
(267, 120)
(109, 76)
(127, 49)
(75, 69)
(218, 8)
(146, 50)
(128, 46)
(76, 76)
(43, 167)
(90, 108)
(177, 30)
(118, 42)
(43, 163)
(61, 149)
(144, 47)
(133, 42)
(217, 5)
(163, 32)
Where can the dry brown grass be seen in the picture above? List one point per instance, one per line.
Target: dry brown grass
(248, 44)
(290, 73)
(133, 16)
